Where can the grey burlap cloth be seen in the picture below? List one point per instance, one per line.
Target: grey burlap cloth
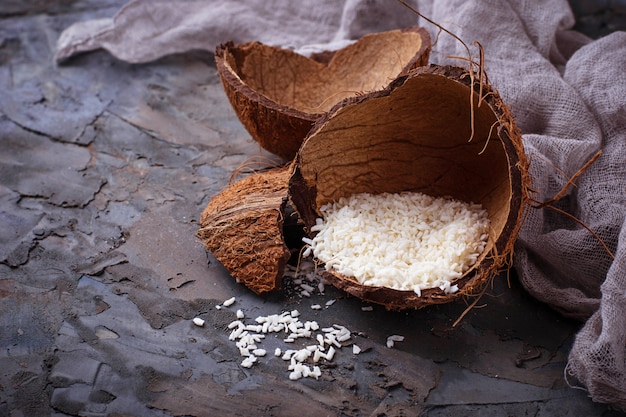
(567, 93)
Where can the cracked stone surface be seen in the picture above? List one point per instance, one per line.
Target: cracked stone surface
(105, 168)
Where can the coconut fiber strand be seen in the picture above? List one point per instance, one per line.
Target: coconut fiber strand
(567, 94)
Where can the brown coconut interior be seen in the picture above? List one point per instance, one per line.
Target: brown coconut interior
(310, 86)
(415, 137)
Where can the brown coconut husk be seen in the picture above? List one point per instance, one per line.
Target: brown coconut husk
(278, 94)
(243, 227)
(415, 136)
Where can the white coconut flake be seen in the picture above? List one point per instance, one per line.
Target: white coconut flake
(330, 354)
(229, 302)
(355, 349)
(247, 336)
(394, 338)
(248, 361)
(406, 241)
(198, 321)
(259, 352)
(236, 323)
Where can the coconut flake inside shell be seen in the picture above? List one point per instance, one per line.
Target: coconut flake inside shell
(278, 94)
(414, 136)
(243, 227)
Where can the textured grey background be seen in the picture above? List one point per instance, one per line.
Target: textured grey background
(104, 170)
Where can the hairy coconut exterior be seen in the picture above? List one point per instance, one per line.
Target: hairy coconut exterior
(243, 228)
(414, 136)
(279, 94)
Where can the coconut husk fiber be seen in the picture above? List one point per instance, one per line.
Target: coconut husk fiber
(278, 94)
(415, 136)
(243, 227)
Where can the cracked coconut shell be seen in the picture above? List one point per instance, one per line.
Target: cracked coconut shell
(415, 136)
(279, 94)
(243, 227)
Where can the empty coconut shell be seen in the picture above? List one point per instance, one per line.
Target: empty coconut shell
(415, 136)
(279, 94)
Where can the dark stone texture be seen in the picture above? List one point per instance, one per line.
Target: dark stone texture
(105, 168)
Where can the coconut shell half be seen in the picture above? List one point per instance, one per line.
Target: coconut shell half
(279, 94)
(243, 227)
(415, 136)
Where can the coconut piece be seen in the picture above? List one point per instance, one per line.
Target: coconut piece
(415, 136)
(243, 227)
(279, 94)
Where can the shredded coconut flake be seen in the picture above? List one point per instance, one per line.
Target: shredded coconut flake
(229, 302)
(405, 241)
(246, 337)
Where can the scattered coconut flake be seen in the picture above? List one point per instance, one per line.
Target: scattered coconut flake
(367, 308)
(236, 323)
(259, 352)
(229, 302)
(330, 354)
(330, 302)
(240, 314)
(198, 321)
(394, 338)
(295, 375)
(247, 336)
(248, 361)
(343, 337)
(316, 307)
(355, 349)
